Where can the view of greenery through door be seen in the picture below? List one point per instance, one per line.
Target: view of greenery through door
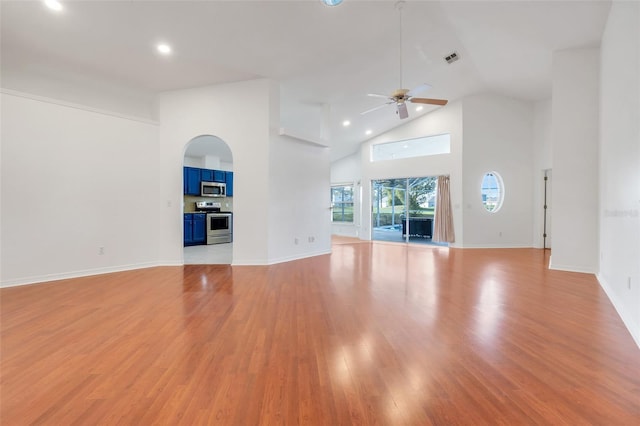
(403, 209)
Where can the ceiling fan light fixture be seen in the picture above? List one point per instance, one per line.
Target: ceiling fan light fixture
(402, 111)
(332, 2)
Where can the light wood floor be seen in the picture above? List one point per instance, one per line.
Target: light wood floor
(373, 334)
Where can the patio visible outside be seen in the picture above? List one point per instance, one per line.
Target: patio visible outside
(403, 210)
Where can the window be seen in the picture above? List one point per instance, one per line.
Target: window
(342, 203)
(492, 191)
(428, 145)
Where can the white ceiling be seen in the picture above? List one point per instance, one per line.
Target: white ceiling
(326, 58)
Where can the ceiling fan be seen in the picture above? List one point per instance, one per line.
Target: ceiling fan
(400, 97)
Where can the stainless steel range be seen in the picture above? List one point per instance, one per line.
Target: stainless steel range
(219, 224)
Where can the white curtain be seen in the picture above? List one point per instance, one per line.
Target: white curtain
(443, 226)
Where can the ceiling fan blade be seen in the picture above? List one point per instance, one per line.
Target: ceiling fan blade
(428, 101)
(375, 95)
(418, 89)
(376, 108)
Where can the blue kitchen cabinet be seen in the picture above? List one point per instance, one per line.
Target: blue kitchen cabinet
(192, 181)
(206, 175)
(188, 229)
(199, 228)
(195, 229)
(219, 176)
(229, 181)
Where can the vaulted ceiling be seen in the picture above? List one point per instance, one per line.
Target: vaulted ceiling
(326, 59)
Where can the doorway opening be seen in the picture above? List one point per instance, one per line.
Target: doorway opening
(207, 164)
(403, 210)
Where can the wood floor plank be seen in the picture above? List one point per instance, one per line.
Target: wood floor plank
(375, 333)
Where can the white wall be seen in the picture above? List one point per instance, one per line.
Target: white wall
(444, 120)
(574, 132)
(207, 162)
(348, 170)
(261, 177)
(488, 133)
(620, 162)
(299, 215)
(75, 180)
(498, 133)
(79, 88)
(542, 161)
(220, 111)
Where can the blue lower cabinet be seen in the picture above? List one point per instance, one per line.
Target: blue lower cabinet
(195, 229)
(199, 228)
(188, 229)
(229, 181)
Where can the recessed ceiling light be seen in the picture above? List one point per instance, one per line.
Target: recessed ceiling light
(165, 49)
(368, 132)
(53, 5)
(332, 2)
(346, 123)
(419, 108)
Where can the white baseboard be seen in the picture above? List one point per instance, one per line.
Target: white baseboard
(625, 316)
(249, 262)
(571, 268)
(35, 279)
(491, 246)
(298, 257)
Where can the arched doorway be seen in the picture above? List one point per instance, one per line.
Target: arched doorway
(208, 213)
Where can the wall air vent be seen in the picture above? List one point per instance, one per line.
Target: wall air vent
(451, 58)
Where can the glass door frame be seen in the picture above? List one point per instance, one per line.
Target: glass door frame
(409, 183)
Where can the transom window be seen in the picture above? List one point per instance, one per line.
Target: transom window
(419, 147)
(342, 203)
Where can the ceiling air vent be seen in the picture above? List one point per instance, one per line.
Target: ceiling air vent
(451, 58)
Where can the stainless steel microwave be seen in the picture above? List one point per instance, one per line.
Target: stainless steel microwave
(213, 189)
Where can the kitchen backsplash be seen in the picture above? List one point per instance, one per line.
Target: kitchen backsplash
(226, 203)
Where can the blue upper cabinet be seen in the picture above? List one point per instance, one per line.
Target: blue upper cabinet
(192, 180)
(219, 176)
(229, 181)
(206, 175)
(192, 176)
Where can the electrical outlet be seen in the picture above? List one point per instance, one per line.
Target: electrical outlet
(295, 241)
(311, 239)
(100, 250)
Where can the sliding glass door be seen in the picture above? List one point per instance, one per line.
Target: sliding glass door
(403, 209)
(389, 202)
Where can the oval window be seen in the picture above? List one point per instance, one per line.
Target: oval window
(492, 191)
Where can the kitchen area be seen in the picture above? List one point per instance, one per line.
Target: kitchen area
(207, 202)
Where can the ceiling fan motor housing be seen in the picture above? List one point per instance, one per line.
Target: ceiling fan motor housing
(399, 93)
